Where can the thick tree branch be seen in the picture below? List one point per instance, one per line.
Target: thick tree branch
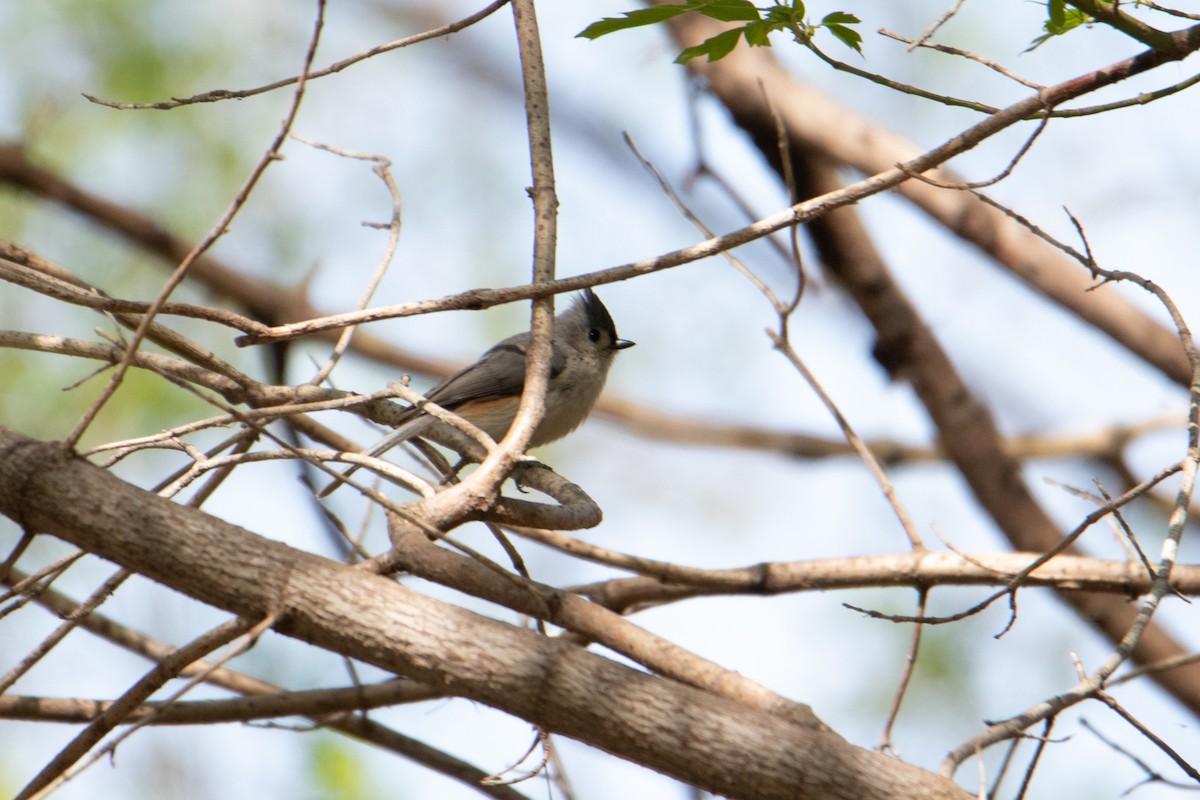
(1111, 14)
(419, 557)
(321, 702)
(709, 741)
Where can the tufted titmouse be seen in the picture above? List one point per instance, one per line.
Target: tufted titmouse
(488, 392)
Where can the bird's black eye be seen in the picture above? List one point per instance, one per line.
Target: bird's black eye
(594, 335)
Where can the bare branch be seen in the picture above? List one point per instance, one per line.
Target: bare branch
(218, 95)
(166, 669)
(556, 685)
(209, 240)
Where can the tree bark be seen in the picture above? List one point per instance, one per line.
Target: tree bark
(705, 740)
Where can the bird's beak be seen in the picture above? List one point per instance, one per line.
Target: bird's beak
(621, 344)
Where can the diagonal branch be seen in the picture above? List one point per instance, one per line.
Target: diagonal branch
(710, 741)
(817, 123)
(275, 698)
(166, 669)
(907, 348)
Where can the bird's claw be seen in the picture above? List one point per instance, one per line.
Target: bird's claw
(519, 472)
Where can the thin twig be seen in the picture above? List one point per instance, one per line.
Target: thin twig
(1160, 586)
(382, 169)
(954, 51)
(110, 585)
(226, 94)
(798, 213)
(910, 662)
(166, 669)
(1027, 778)
(217, 231)
(868, 458)
(1154, 738)
(247, 640)
(937, 23)
(1004, 173)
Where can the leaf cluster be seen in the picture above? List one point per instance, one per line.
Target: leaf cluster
(1059, 20)
(758, 25)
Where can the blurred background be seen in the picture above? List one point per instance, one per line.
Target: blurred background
(449, 115)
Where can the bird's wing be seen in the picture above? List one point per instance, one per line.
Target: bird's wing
(499, 373)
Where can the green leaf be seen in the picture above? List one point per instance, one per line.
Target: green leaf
(757, 33)
(840, 18)
(1059, 20)
(726, 10)
(1056, 9)
(715, 48)
(632, 19)
(847, 36)
(1071, 20)
(782, 17)
(722, 10)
